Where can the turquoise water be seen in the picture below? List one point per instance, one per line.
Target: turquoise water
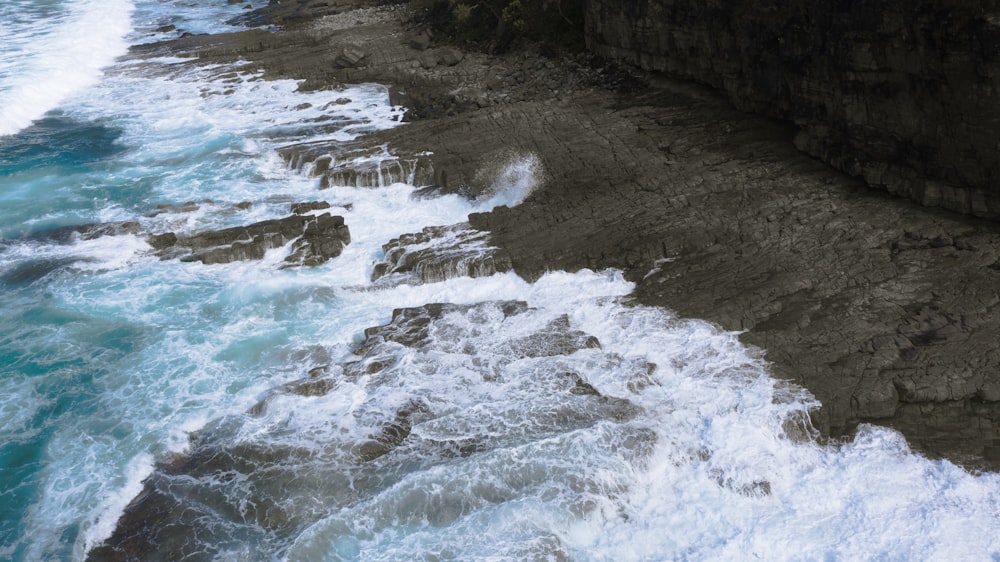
(681, 447)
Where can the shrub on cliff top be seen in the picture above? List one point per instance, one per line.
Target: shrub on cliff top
(494, 25)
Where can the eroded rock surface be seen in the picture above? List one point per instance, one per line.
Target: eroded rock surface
(349, 432)
(902, 94)
(317, 238)
(854, 294)
(437, 253)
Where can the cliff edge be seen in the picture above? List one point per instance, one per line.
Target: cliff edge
(900, 94)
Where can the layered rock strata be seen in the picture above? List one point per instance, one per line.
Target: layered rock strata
(437, 253)
(886, 311)
(316, 239)
(903, 94)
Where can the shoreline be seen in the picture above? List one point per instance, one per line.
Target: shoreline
(879, 307)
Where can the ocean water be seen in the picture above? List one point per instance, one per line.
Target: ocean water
(571, 426)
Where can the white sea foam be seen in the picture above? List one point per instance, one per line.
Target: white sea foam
(235, 117)
(138, 469)
(723, 479)
(42, 70)
(98, 254)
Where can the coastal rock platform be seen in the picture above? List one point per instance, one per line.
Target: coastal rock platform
(886, 311)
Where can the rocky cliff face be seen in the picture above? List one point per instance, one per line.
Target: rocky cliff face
(901, 94)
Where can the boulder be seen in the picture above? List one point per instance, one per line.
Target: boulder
(449, 56)
(419, 41)
(350, 56)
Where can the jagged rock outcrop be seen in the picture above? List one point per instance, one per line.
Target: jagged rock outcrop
(260, 479)
(437, 253)
(317, 239)
(901, 94)
(354, 164)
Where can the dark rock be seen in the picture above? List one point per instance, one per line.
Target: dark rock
(317, 239)
(556, 339)
(28, 272)
(438, 253)
(449, 56)
(391, 436)
(323, 239)
(247, 483)
(902, 96)
(409, 325)
(713, 212)
(68, 234)
(419, 41)
(716, 215)
(428, 60)
(162, 241)
(188, 207)
(305, 208)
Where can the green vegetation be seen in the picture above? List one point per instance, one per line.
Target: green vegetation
(494, 25)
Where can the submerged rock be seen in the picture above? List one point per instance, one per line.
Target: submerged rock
(68, 234)
(437, 383)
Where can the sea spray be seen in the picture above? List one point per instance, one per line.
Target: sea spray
(46, 60)
(510, 177)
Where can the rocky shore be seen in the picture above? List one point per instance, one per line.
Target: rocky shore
(885, 310)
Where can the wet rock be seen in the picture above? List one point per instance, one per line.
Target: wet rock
(715, 213)
(161, 242)
(556, 339)
(306, 208)
(376, 173)
(310, 387)
(259, 480)
(28, 272)
(438, 253)
(322, 239)
(317, 239)
(580, 387)
(188, 207)
(409, 326)
(391, 436)
(68, 234)
(358, 165)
